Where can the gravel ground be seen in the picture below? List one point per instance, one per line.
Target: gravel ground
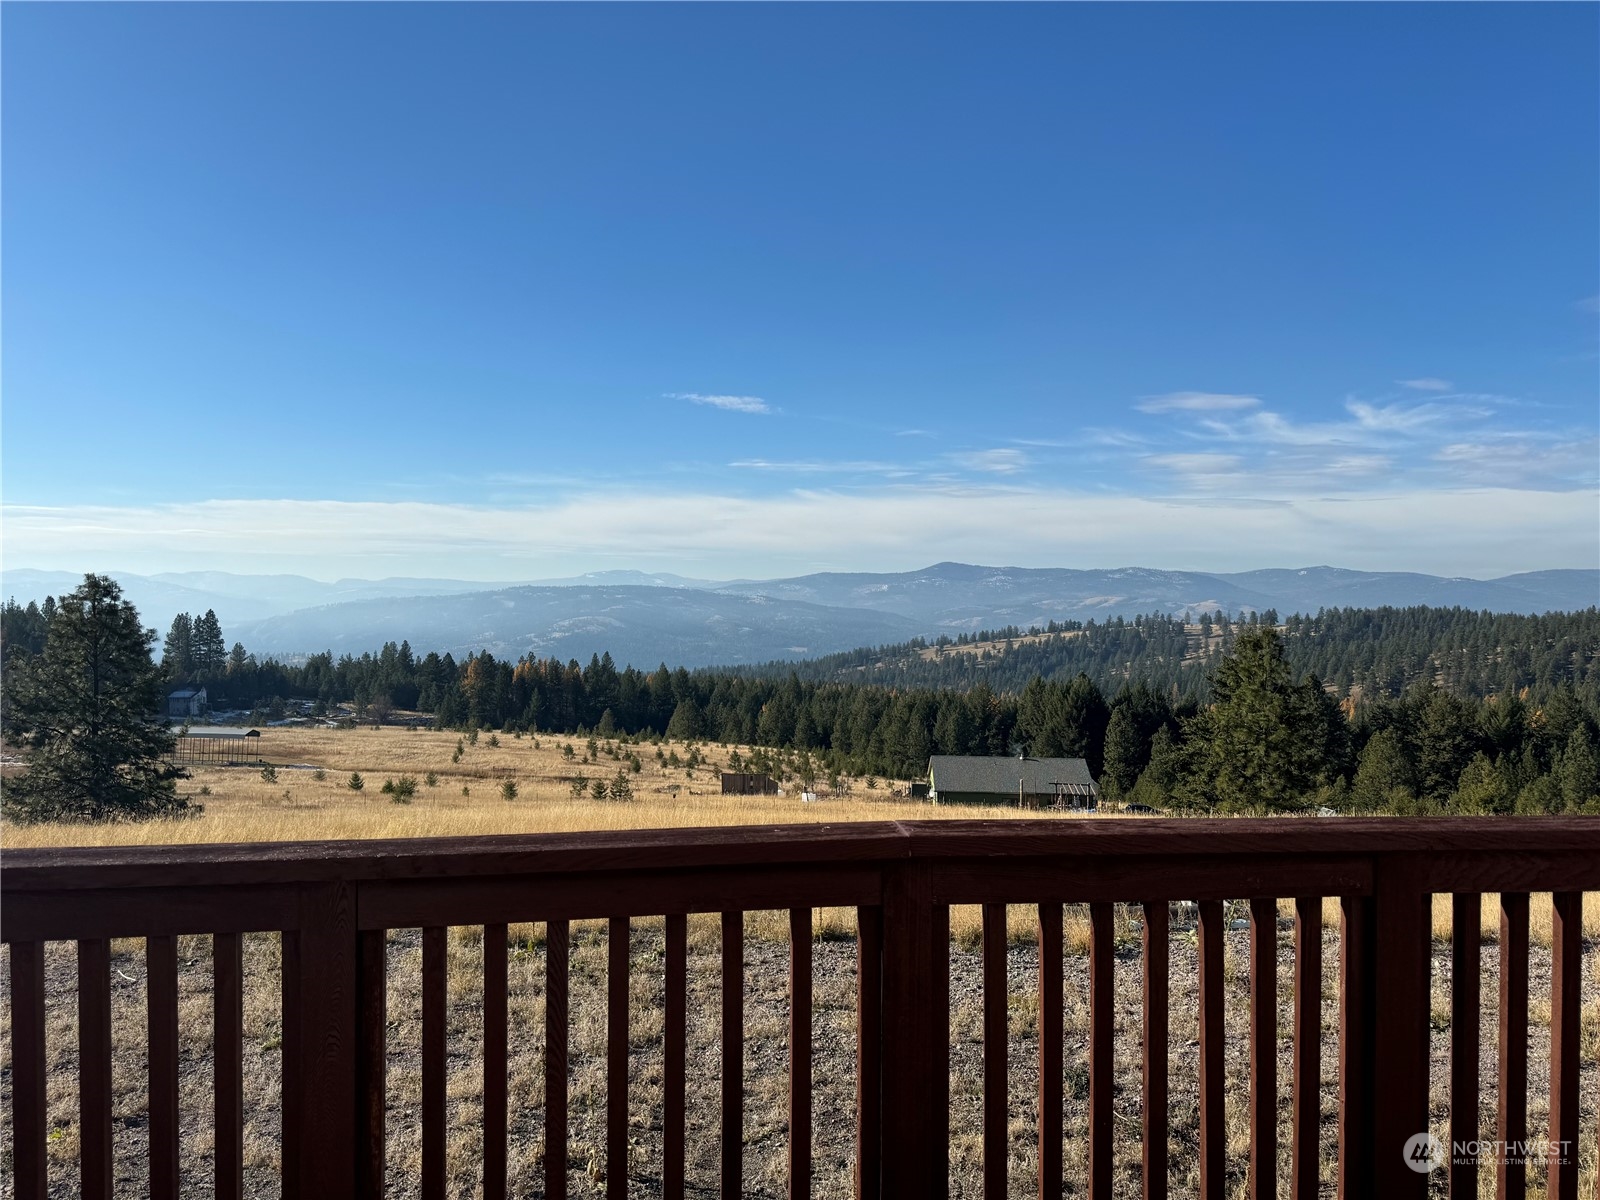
(766, 1023)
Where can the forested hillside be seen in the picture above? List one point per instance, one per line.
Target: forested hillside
(1425, 709)
(1370, 652)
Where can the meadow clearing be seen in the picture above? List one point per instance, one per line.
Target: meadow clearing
(306, 796)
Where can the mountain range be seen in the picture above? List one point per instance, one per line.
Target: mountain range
(645, 618)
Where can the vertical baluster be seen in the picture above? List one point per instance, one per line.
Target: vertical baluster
(94, 1068)
(494, 1061)
(1263, 1049)
(869, 1052)
(1511, 1176)
(674, 1054)
(557, 958)
(1157, 981)
(1304, 1180)
(1466, 965)
(1213, 1126)
(1102, 1031)
(321, 974)
(28, 1096)
(161, 1001)
(1050, 1051)
(372, 1061)
(732, 1055)
(799, 1053)
(1400, 1036)
(227, 1056)
(1566, 966)
(1357, 980)
(939, 1053)
(916, 1036)
(617, 955)
(994, 1052)
(435, 992)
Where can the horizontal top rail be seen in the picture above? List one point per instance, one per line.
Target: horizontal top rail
(230, 864)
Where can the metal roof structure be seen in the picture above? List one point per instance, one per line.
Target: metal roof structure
(957, 773)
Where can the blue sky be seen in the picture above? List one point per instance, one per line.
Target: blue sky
(505, 292)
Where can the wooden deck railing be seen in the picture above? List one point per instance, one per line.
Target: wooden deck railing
(334, 901)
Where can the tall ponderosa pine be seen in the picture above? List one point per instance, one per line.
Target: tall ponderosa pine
(86, 709)
(209, 651)
(177, 648)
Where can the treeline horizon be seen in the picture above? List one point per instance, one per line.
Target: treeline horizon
(1440, 709)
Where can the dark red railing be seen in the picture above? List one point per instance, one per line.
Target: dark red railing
(335, 901)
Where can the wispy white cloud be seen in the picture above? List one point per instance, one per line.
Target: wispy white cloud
(817, 466)
(1396, 418)
(1351, 465)
(997, 462)
(1590, 304)
(1425, 384)
(1547, 462)
(1197, 402)
(1371, 422)
(743, 404)
(1112, 437)
(1451, 530)
(1192, 465)
(921, 433)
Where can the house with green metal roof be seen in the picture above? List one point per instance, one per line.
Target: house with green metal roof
(1028, 782)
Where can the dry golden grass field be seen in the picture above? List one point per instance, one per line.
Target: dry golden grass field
(310, 799)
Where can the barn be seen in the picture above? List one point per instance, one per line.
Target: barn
(1029, 782)
(748, 783)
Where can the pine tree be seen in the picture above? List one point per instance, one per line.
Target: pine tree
(209, 650)
(177, 650)
(1580, 773)
(1482, 789)
(1261, 746)
(1384, 776)
(1125, 751)
(687, 722)
(87, 710)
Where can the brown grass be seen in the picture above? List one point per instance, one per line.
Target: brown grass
(241, 807)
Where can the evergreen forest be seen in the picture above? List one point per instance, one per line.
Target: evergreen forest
(1414, 710)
